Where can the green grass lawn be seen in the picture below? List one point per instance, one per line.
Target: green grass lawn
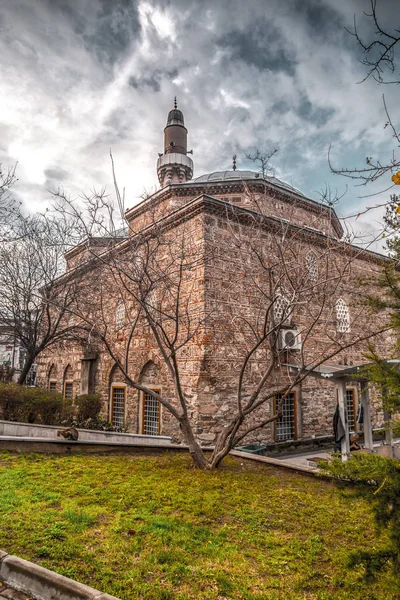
(154, 528)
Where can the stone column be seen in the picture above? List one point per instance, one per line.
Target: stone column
(341, 384)
(388, 432)
(365, 402)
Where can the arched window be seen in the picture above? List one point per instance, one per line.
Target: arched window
(151, 303)
(312, 265)
(120, 315)
(342, 316)
(281, 308)
(118, 399)
(118, 391)
(151, 412)
(137, 267)
(68, 383)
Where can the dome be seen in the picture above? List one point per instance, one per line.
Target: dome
(175, 117)
(218, 176)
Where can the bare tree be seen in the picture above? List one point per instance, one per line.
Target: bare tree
(380, 55)
(262, 161)
(7, 205)
(380, 51)
(158, 278)
(32, 307)
(375, 168)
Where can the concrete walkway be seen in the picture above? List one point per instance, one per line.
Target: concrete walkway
(305, 459)
(304, 462)
(293, 463)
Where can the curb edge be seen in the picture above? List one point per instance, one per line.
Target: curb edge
(42, 584)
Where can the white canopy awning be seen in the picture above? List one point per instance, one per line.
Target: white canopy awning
(341, 375)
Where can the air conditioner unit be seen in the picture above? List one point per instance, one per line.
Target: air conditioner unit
(289, 339)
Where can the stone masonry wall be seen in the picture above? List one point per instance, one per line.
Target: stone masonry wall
(224, 287)
(231, 294)
(144, 359)
(267, 200)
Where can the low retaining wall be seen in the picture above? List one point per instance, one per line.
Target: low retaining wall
(11, 429)
(20, 444)
(42, 584)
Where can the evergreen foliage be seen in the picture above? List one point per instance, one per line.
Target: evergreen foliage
(377, 480)
(387, 375)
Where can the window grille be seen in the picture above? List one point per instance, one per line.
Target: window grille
(118, 406)
(137, 267)
(68, 390)
(285, 425)
(281, 308)
(312, 265)
(151, 301)
(350, 407)
(120, 315)
(342, 316)
(151, 415)
(53, 386)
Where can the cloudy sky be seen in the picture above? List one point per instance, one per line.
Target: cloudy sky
(81, 77)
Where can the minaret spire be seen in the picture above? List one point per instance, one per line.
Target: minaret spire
(174, 166)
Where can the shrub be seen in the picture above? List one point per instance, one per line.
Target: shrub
(33, 405)
(6, 373)
(48, 408)
(88, 407)
(97, 425)
(15, 404)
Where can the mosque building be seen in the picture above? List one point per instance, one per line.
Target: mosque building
(222, 217)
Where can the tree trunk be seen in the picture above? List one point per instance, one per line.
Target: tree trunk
(25, 369)
(225, 441)
(197, 454)
(219, 454)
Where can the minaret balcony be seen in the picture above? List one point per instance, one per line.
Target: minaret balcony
(173, 158)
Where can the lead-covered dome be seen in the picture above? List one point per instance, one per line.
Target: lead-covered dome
(217, 176)
(175, 117)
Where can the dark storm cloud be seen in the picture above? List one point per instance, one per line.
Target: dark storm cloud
(108, 29)
(116, 29)
(152, 81)
(79, 77)
(321, 19)
(318, 116)
(262, 46)
(56, 173)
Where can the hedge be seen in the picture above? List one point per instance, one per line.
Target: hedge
(33, 405)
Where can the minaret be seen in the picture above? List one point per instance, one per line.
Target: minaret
(174, 166)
